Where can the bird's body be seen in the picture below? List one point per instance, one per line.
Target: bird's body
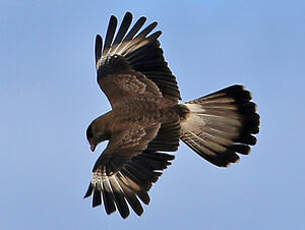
(139, 112)
(143, 112)
(147, 120)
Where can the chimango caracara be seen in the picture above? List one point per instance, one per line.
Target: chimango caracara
(147, 120)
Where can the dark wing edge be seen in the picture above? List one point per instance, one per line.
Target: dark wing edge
(141, 51)
(129, 184)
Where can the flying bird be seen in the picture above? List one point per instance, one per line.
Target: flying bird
(147, 121)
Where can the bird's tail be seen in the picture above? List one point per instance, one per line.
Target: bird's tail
(220, 125)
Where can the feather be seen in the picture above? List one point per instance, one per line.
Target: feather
(108, 196)
(98, 48)
(123, 28)
(110, 34)
(119, 197)
(221, 124)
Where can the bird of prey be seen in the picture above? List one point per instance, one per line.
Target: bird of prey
(147, 120)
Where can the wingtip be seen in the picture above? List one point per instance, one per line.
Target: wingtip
(89, 191)
(128, 14)
(98, 47)
(124, 216)
(98, 37)
(229, 164)
(143, 19)
(154, 24)
(113, 18)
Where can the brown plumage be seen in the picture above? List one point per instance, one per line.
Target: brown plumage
(146, 119)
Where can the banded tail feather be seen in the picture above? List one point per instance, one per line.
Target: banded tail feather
(220, 125)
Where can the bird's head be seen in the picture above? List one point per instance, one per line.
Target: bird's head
(96, 134)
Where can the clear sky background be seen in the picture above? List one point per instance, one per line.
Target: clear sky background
(49, 95)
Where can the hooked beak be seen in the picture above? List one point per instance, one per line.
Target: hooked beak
(92, 145)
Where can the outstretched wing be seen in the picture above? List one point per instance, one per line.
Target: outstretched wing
(124, 145)
(130, 183)
(126, 170)
(133, 51)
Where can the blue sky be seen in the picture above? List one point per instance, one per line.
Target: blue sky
(49, 95)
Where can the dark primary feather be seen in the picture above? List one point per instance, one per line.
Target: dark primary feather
(129, 184)
(137, 26)
(98, 48)
(139, 50)
(118, 196)
(110, 33)
(123, 28)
